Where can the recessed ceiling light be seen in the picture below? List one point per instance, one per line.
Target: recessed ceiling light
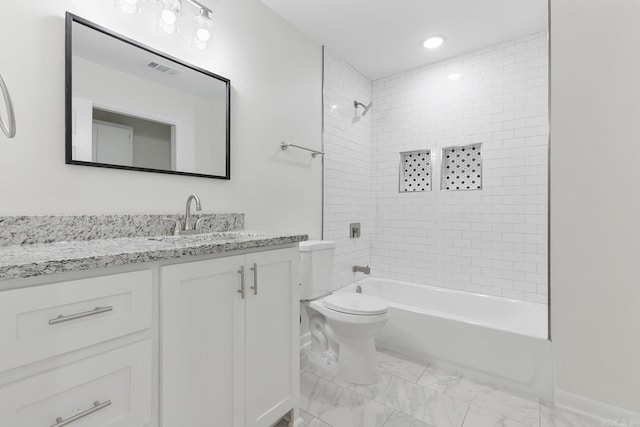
(433, 42)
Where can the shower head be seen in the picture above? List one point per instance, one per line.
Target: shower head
(357, 104)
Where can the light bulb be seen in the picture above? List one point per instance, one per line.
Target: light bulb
(169, 13)
(204, 24)
(433, 42)
(203, 34)
(127, 6)
(168, 16)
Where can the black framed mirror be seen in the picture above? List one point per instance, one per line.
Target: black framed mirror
(131, 107)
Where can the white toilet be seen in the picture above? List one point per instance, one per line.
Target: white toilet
(342, 324)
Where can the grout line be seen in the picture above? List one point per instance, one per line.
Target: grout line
(465, 415)
(539, 414)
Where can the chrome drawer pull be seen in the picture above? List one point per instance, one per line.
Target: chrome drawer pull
(255, 278)
(93, 312)
(241, 273)
(96, 407)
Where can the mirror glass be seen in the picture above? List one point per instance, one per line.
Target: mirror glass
(131, 107)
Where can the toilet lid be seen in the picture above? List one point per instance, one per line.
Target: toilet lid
(354, 303)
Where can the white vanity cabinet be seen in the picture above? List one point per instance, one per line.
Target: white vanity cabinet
(229, 340)
(78, 353)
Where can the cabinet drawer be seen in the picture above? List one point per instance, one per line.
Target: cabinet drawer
(45, 321)
(112, 389)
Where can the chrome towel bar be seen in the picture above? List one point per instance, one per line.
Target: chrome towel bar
(8, 127)
(314, 153)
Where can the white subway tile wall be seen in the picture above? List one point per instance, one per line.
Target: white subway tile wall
(348, 195)
(491, 241)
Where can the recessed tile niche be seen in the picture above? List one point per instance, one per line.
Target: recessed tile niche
(415, 171)
(462, 168)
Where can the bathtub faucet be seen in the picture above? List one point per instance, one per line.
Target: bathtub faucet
(365, 270)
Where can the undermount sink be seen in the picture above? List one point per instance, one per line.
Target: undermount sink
(221, 235)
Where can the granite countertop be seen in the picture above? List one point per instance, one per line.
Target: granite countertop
(29, 260)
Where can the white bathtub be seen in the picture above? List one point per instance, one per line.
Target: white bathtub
(495, 338)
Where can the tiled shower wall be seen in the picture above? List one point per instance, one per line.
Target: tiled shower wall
(348, 195)
(493, 240)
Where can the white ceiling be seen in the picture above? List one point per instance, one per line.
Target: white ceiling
(383, 37)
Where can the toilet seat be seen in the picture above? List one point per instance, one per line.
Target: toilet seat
(356, 304)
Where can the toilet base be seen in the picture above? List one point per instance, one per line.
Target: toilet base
(351, 337)
(357, 362)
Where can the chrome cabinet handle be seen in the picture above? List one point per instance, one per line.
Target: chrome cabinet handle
(241, 273)
(8, 127)
(93, 312)
(96, 407)
(255, 278)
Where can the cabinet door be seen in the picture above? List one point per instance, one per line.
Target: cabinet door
(202, 344)
(272, 335)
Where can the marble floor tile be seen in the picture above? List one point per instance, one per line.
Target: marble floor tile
(398, 419)
(420, 402)
(306, 417)
(411, 394)
(317, 423)
(314, 422)
(311, 421)
(307, 366)
(400, 366)
(439, 380)
(511, 406)
(478, 417)
(338, 406)
(555, 417)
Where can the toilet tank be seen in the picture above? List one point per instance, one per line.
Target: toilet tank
(316, 265)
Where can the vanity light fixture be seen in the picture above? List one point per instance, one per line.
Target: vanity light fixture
(204, 24)
(170, 12)
(433, 42)
(168, 18)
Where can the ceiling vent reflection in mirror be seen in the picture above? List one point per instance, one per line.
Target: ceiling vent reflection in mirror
(161, 68)
(168, 17)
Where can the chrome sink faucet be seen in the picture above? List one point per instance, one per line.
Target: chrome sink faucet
(188, 220)
(189, 226)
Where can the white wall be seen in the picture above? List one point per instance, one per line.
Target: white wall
(490, 241)
(595, 231)
(275, 74)
(348, 196)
